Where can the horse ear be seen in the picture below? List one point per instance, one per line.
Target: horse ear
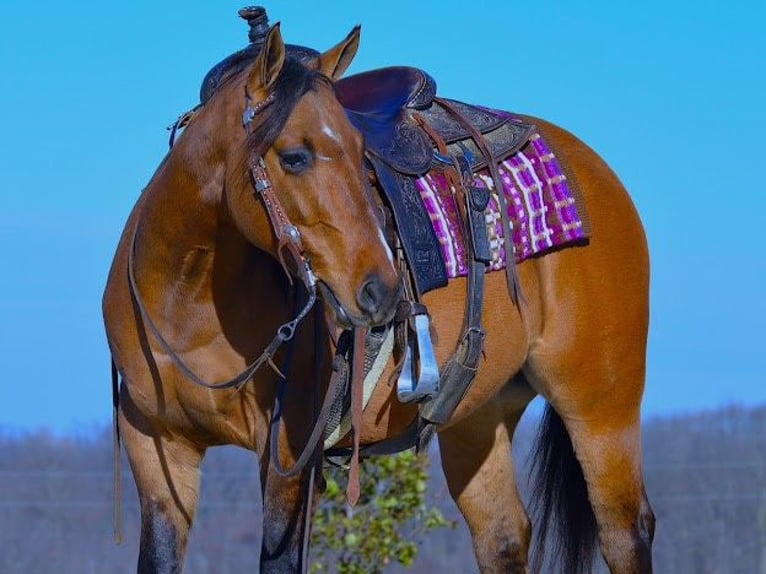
(335, 61)
(269, 62)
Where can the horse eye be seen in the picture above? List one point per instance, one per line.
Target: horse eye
(296, 160)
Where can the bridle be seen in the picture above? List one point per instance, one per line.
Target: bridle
(289, 245)
(287, 234)
(289, 242)
(288, 239)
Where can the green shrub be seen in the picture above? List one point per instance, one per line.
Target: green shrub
(387, 525)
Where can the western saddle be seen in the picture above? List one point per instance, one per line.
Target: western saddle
(408, 131)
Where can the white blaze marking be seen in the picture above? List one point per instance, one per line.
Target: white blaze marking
(385, 246)
(330, 133)
(333, 135)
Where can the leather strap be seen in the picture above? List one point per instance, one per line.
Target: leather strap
(450, 173)
(406, 440)
(462, 366)
(286, 233)
(511, 276)
(476, 200)
(319, 424)
(182, 121)
(461, 369)
(116, 440)
(284, 333)
(357, 382)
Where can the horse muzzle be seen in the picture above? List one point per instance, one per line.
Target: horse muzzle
(376, 302)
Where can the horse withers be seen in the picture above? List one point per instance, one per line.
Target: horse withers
(268, 177)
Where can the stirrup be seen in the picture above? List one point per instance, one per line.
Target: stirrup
(409, 387)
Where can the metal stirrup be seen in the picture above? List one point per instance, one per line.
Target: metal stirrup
(426, 385)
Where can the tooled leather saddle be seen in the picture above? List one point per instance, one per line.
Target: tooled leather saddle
(390, 106)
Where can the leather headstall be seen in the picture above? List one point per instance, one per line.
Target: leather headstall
(287, 234)
(288, 237)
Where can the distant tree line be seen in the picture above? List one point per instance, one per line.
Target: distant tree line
(706, 478)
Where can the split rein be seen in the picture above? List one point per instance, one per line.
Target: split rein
(288, 239)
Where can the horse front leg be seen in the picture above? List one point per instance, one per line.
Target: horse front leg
(166, 473)
(288, 500)
(285, 506)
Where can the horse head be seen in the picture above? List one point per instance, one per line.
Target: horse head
(312, 158)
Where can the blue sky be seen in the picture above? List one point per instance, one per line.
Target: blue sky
(670, 93)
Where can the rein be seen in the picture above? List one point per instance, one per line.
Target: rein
(288, 237)
(288, 240)
(284, 333)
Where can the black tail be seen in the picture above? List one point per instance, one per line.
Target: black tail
(560, 505)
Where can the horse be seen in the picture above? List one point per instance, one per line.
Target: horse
(198, 288)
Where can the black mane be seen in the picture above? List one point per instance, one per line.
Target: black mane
(294, 81)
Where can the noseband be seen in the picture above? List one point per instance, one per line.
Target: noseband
(288, 239)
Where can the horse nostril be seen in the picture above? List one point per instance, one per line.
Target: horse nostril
(371, 295)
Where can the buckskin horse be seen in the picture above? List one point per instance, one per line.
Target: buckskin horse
(198, 289)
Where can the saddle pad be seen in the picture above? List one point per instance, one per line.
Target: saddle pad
(542, 205)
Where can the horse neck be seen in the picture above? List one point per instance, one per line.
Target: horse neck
(176, 218)
(199, 277)
(184, 238)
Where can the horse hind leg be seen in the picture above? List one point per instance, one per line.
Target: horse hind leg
(611, 462)
(476, 458)
(590, 474)
(166, 472)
